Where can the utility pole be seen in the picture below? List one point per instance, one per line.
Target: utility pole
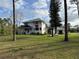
(66, 21)
(14, 25)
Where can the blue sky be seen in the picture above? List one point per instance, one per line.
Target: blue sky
(30, 9)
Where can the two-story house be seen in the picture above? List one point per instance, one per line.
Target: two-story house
(36, 26)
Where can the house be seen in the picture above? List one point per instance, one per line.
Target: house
(36, 26)
(60, 30)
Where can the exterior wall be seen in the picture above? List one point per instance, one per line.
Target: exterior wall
(40, 25)
(58, 30)
(33, 27)
(44, 28)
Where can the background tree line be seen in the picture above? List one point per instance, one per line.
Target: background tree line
(5, 26)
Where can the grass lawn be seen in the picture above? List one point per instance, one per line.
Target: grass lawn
(39, 47)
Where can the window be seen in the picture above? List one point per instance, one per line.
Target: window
(36, 28)
(40, 28)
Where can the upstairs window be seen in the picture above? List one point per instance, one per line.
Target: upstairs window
(40, 28)
(36, 26)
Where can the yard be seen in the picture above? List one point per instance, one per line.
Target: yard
(39, 47)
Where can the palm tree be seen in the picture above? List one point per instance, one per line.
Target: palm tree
(66, 20)
(14, 28)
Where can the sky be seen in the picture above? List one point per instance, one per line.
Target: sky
(31, 9)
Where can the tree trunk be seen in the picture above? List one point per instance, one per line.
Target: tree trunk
(14, 30)
(52, 32)
(66, 27)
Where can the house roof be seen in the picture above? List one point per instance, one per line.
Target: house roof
(25, 27)
(34, 20)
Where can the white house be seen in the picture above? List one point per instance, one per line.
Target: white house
(36, 26)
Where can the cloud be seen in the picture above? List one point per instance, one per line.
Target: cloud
(40, 4)
(5, 3)
(42, 9)
(72, 11)
(8, 4)
(75, 22)
(19, 4)
(42, 12)
(6, 7)
(37, 8)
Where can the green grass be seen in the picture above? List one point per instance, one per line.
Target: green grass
(39, 47)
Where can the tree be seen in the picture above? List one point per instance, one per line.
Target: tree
(55, 19)
(5, 26)
(1, 27)
(66, 20)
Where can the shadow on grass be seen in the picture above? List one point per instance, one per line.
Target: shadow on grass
(39, 48)
(9, 39)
